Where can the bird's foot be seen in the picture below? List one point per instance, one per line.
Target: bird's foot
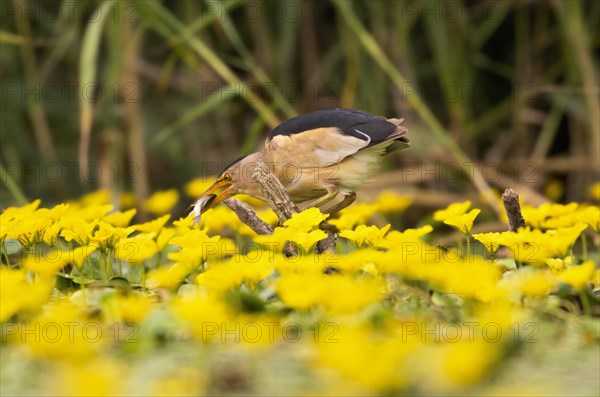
(329, 227)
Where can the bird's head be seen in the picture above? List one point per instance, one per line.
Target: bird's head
(236, 179)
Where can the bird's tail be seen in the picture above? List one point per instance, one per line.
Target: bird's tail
(399, 136)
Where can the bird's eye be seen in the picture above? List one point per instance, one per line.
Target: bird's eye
(226, 177)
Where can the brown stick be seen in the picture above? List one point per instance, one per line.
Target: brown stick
(248, 216)
(274, 191)
(328, 244)
(510, 198)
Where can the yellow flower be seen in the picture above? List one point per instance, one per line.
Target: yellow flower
(29, 230)
(80, 254)
(93, 212)
(306, 220)
(106, 236)
(103, 235)
(63, 344)
(100, 376)
(45, 264)
(300, 291)
(527, 281)
(591, 216)
(302, 264)
(99, 197)
(535, 246)
(136, 249)
(527, 246)
(370, 235)
(371, 260)
(587, 214)
(475, 278)
(554, 189)
(536, 216)
(19, 212)
(162, 202)
(193, 238)
(51, 233)
(183, 225)
(594, 191)
(564, 238)
(17, 294)
(395, 239)
(132, 307)
(54, 213)
(170, 276)
(463, 223)
(377, 363)
(276, 241)
(577, 275)
(467, 362)
(120, 219)
(223, 277)
(198, 247)
(346, 294)
(452, 211)
(306, 240)
(339, 294)
(153, 226)
(200, 311)
(298, 229)
(164, 237)
(390, 202)
(491, 241)
(127, 200)
(350, 216)
(557, 265)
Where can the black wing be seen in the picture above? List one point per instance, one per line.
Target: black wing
(346, 120)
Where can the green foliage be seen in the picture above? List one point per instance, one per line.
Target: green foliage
(152, 94)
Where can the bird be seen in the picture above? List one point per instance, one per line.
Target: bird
(316, 156)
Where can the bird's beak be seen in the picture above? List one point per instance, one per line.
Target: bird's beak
(219, 191)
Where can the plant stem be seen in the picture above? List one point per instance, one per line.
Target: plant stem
(12, 186)
(83, 288)
(143, 278)
(584, 246)
(585, 302)
(159, 259)
(5, 254)
(108, 270)
(468, 246)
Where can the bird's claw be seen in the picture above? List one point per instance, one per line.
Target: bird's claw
(329, 227)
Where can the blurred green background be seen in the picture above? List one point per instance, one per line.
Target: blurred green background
(147, 95)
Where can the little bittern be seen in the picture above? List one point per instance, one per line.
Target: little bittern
(316, 156)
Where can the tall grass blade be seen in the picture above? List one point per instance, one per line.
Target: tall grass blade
(87, 74)
(417, 103)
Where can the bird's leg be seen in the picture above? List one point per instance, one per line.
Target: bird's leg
(332, 191)
(348, 199)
